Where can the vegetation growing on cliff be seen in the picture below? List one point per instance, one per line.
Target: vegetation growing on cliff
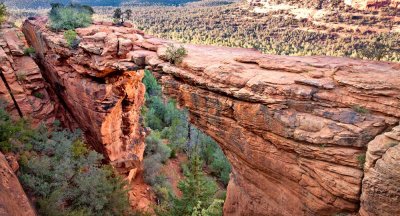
(70, 17)
(175, 54)
(64, 176)
(70, 36)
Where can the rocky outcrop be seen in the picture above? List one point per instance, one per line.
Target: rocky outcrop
(295, 129)
(13, 200)
(381, 184)
(100, 90)
(22, 87)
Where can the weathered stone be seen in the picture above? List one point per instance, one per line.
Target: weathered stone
(13, 200)
(381, 183)
(103, 94)
(293, 128)
(293, 140)
(27, 86)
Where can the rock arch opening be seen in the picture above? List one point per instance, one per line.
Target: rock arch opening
(295, 129)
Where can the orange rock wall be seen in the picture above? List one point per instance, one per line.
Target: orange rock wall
(289, 126)
(295, 129)
(13, 200)
(102, 94)
(22, 87)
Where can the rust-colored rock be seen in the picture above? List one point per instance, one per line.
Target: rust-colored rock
(13, 200)
(101, 90)
(293, 128)
(381, 184)
(22, 86)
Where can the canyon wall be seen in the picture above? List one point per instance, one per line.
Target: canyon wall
(102, 94)
(13, 200)
(22, 88)
(296, 130)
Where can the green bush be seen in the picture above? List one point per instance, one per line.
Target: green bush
(38, 95)
(360, 109)
(70, 17)
(220, 166)
(361, 159)
(3, 12)
(29, 51)
(151, 168)
(70, 36)
(175, 55)
(65, 177)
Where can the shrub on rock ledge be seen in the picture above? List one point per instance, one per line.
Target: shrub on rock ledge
(175, 54)
(71, 37)
(70, 17)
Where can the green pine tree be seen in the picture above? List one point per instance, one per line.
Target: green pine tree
(196, 189)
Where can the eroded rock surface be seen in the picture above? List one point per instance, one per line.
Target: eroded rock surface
(100, 90)
(381, 184)
(13, 200)
(22, 87)
(293, 128)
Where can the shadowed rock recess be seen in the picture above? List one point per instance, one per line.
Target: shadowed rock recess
(295, 129)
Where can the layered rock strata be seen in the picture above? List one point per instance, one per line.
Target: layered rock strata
(381, 183)
(13, 200)
(295, 129)
(101, 91)
(22, 87)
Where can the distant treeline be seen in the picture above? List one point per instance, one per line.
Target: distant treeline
(46, 3)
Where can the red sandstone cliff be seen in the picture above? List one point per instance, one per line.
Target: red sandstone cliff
(295, 129)
(102, 92)
(13, 200)
(22, 87)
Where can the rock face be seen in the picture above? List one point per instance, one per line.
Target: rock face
(295, 129)
(100, 90)
(13, 200)
(22, 87)
(381, 184)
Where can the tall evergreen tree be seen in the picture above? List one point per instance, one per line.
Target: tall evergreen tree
(196, 189)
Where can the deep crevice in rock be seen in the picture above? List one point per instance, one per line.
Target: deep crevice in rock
(3, 78)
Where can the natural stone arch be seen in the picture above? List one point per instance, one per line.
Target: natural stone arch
(294, 128)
